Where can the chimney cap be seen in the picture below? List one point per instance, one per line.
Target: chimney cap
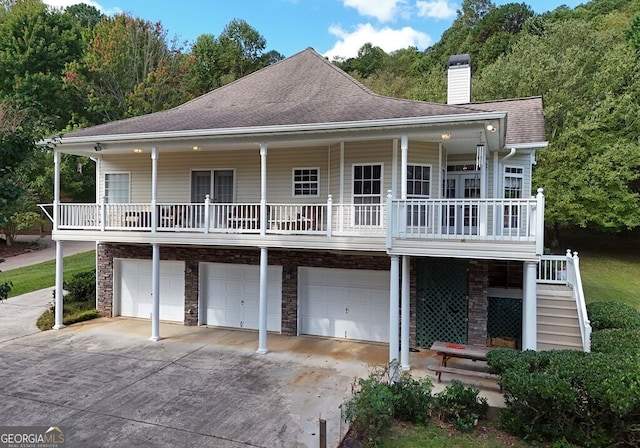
(459, 59)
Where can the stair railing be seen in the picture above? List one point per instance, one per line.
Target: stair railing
(574, 280)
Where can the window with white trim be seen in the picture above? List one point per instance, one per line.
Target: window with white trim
(367, 194)
(306, 182)
(116, 188)
(418, 187)
(512, 189)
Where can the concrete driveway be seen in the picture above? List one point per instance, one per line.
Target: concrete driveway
(107, 385)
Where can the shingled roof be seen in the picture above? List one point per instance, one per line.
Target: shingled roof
(302, 89)
(525, 120)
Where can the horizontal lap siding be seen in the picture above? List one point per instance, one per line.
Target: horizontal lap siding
(280, 165)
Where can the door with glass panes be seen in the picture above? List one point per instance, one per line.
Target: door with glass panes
(219, 185)
(462, 218)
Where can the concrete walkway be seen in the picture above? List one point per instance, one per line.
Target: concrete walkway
(47, 253)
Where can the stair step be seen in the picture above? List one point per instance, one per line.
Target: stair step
(559, 329)
(558, 319)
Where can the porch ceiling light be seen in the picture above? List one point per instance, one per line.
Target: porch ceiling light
(445, 136)
(138, 150)
(491, 127)
(196, 148)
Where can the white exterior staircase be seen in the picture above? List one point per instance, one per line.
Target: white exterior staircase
(558, 322)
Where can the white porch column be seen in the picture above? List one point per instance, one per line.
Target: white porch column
(404, 149)
(405, 314)
(59, 290)
(529, 312)
(263, 188)
(155, 293)
(154, 189)
(394, 305)
(56, 189)
(262, 322)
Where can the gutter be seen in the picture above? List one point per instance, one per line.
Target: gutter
(287, 129)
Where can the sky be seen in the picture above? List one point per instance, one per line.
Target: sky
(334, 28)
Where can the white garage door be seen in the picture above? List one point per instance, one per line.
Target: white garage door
(344, 303)
(231, 295)
(134, 289)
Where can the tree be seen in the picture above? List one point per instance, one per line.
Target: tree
(591, 168)
(128, 69)
(16, 146)
(472, 11)
(241, 46)
(35, 45)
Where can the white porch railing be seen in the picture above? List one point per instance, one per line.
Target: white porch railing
(565, 270)
(552, 269)
(513, 220)
(574, 280)
(472, 219)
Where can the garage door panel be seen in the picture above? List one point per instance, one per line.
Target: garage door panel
(233, 295)
(135, 285)
(344, 303)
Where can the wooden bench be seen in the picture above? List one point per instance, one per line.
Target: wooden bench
(466, 372)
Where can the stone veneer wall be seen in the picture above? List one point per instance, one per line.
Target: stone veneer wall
(289, 260)
(478, 302)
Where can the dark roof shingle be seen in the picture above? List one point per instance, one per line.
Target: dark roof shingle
(302, 89)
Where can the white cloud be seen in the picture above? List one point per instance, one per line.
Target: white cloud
(437, 9)
(386, 38)
(66, 3)
(383, 10)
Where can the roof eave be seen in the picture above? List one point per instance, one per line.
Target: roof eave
(286, 129)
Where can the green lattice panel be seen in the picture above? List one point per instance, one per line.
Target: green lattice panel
(441, 302)
(504, 318)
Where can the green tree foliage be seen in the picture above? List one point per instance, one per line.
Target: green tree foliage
(16, 146)
(128, 69)
(35, 45)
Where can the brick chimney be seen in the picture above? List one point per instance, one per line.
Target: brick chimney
(459, 79)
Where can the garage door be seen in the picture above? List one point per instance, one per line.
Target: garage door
(344, 303)
(231, 295)
(134, 289)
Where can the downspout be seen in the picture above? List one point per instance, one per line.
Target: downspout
(508, 156)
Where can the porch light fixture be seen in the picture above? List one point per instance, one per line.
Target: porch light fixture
(491, 128)
(138, 150)
(196, 148)
(445, 136)
(97, 147)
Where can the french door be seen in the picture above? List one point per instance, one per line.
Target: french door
(462, 218)
(219, 185)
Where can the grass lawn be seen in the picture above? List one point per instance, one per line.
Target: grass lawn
(611, 278)
(43, 275)
(435, 435)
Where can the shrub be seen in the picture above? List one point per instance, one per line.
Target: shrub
(81, 287)
(370, 410)
(5, 287)
(384, 395)
(412, 398)
(461, 405)
(605, 315)
(618, 341)
(588, 399)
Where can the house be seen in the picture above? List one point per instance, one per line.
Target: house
(297, 201)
